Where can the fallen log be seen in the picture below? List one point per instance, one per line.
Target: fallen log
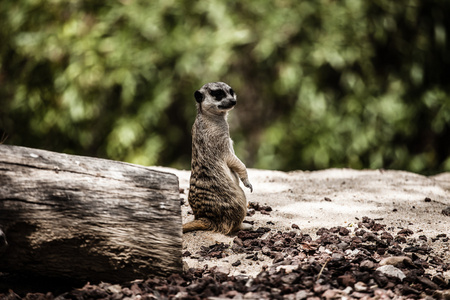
(86, 218)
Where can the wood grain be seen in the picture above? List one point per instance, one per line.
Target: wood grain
(87, 218)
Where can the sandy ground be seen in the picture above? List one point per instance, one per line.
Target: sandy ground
(328, 198)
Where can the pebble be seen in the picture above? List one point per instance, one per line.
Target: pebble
(360, 286)
(391, 271)
(396, 261)
(442, 294)
(287, 269)
(367, 265)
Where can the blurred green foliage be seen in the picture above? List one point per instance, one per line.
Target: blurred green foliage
(348, 83)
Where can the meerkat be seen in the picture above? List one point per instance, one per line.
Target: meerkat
(216, 199)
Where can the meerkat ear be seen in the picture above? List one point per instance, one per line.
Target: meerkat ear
(198, 96)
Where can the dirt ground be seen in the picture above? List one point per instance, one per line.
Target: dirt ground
(327, 198)
(331, 234)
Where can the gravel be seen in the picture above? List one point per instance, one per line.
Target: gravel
(365, 261)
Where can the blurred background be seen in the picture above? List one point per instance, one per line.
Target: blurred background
(320, 84)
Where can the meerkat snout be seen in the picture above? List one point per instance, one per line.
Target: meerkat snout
(227, 104)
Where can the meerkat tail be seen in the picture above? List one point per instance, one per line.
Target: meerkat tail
(199, 224)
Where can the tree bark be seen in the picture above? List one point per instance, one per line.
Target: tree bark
(86, 218)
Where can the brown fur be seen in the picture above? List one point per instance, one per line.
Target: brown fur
(217, 200)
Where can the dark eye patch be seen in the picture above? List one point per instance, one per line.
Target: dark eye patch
(231, 92)
(218, 94)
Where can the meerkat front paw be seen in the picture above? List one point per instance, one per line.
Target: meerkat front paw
(247, 184)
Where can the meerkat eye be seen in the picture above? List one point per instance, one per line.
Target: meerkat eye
(231, 92)
(218, 94)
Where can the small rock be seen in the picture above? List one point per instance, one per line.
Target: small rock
(320, 288)
(406, 232)
(346, 280)
(295, 226)
(230, 294)
(381, 251)
(279, 243)
(236, 263)
(300, 295)
(250, 212)
(127, 292)
(251, 256)
(445, 294)
(391, 271)
(287, 269)
(446, 211)
(418, 249)
(275, 291)
(360, 286)
(347, 290)
(363, 276)
(427, 199)
(337, 257)
(290, 278)
(182, 295)
(322, 231)
(266, 208)
(423, 238)
(238, 241)
(136, 289)
(278, 257)
(386, 236)
(113, 289)
(367, 265)
(396, 261)
(251, 295)
(400, 239)
(380, 279)
(334, 294)
(383, 294)
(369, 236)
(342, 246)
(343, 231)
(352, 252)
(440, 280)
(427, 282)
(265, 250)
(248, 222)
(408, 290)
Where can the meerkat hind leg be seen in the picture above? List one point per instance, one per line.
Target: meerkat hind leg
(199, 224)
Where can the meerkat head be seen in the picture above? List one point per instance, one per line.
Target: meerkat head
(216, 98)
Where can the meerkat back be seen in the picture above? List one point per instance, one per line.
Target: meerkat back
(216, 199)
